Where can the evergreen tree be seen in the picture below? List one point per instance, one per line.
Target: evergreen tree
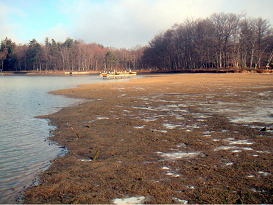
(8, 55)
(34, 55)
(111, 60)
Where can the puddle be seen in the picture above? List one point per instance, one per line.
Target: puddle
(130, 200)
(248, 112)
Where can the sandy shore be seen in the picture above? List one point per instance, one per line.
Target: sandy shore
(181, 138)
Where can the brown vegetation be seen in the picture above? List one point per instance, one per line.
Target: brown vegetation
(158, 137)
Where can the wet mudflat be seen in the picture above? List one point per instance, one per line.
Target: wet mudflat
(188, 138)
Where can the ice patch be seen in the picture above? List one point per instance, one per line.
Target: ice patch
(265, 94)
(150, 119)
(85, 160)
(179, 155)
(172, 106)
(139, 127)
(127, 111)
(171, 126)
(264, 173)
(247, 148)
(225, 148)
(241, 142)
(235, 149)
(164, 131)
(165, 168)
(131, 200)
(191, 187)
(180, 201)
(103, 118)
(173, 174)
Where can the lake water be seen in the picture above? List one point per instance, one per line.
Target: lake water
(24, 148)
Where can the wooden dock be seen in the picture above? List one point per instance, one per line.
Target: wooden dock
(118, 74)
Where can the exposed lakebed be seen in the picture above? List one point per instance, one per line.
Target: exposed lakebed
(170, 139)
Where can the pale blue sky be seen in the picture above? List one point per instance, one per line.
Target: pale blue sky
(118, 23)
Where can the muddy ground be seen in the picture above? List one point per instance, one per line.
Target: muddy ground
(180, 138)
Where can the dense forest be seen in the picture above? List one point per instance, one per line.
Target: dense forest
(223, 40)
(220, 41)
(70, 55)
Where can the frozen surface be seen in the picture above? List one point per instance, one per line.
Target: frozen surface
(178, 155)
(130, 200)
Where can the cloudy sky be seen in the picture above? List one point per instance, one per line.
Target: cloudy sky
(117, 23)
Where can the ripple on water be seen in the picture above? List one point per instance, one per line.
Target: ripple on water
(24, 149)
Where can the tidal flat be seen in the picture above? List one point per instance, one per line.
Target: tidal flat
(178, 138)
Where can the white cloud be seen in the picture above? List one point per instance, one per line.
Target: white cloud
(118, 23)
(125, 23)
(7, 28)
(59, 33)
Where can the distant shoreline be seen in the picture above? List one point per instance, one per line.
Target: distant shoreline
(139, 72)
(48, 73)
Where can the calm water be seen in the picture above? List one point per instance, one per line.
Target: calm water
(24, 148)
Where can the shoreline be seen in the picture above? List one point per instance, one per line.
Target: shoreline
(140, 72)
(153, 140)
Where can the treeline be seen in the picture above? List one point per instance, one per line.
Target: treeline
(70, 55)
(223, 40)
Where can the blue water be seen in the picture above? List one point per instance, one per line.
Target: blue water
(24, 148)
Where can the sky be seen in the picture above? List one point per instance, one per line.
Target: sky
(112, 23)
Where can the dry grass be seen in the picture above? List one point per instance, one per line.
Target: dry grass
(130, 124)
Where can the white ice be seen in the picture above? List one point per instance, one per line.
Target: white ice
(130, 200)
(179, 155)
